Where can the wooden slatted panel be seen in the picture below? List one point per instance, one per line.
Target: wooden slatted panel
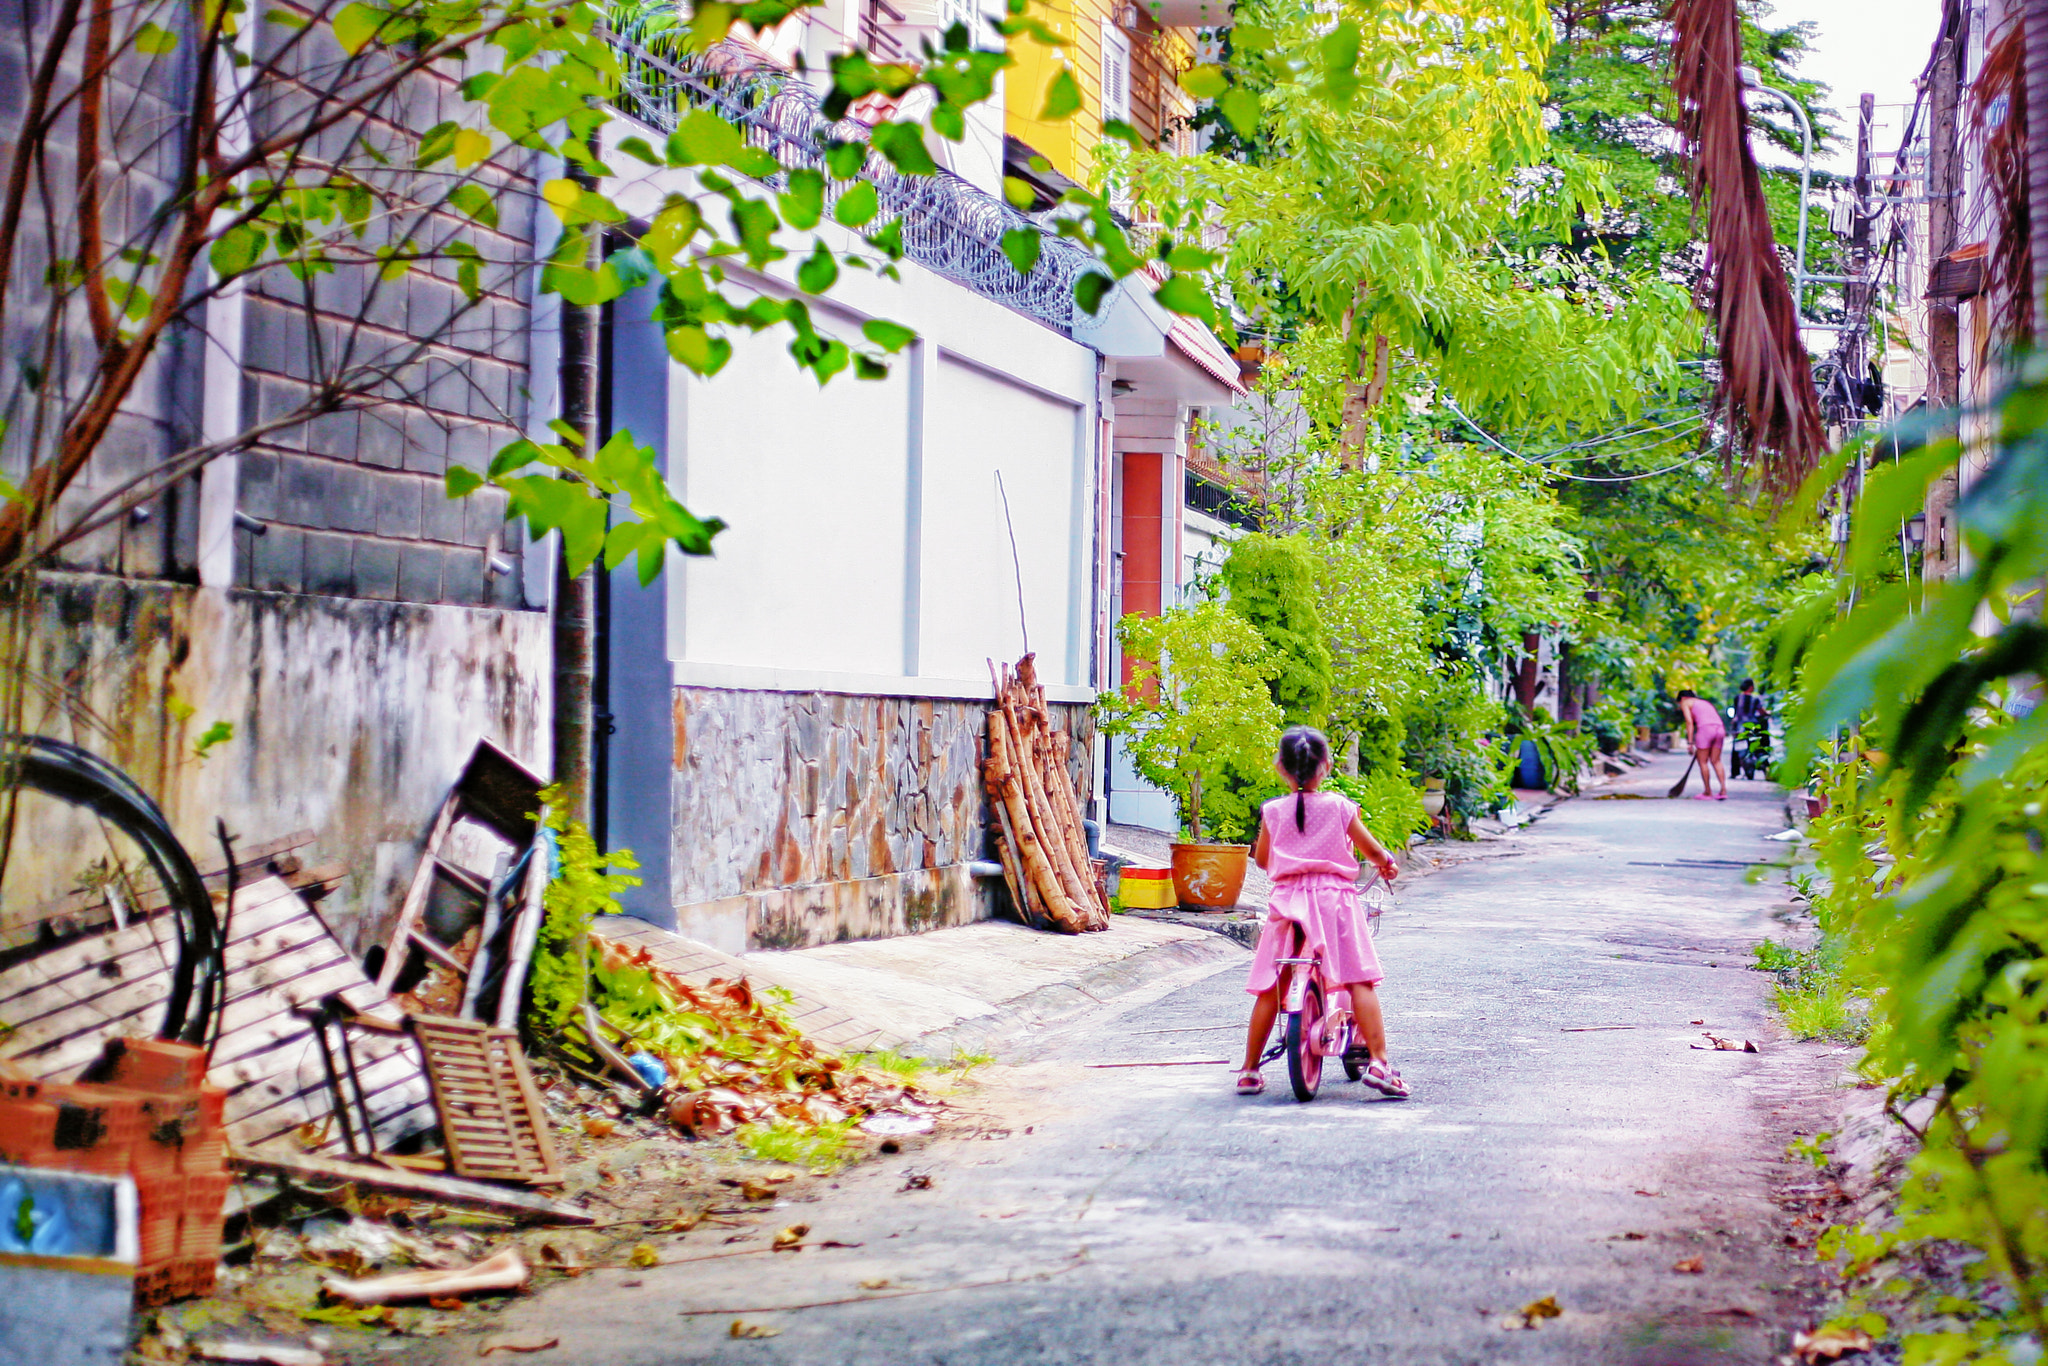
(491, 1116)
(280, 958)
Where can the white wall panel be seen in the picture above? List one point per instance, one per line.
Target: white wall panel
(977, 424)
(809, 572)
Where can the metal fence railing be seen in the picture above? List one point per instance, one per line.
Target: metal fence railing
(950, 226)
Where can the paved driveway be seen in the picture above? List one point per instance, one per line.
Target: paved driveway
(1147, 1215)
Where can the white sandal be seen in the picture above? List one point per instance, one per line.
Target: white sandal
(1250, 1083)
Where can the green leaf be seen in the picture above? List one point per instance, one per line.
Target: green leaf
(867, 367)
(858, 205)
(237, 249)
(701, 352)
(702, 138)
(1091, 289)
(1339, 50)
(1022, 194)
(155, 41)
(640, 149)
(1184, 294)
(888, 239)
(1205, 82)
(903, 145)
(709, 23)
(846, 160)
(215, 735)
(1122, 132)
(356, 25)
(803, 203)
(1022, 246)
(1062, 97)
(889, 336)
(436, 143)
(512, 459)
(474, 200)
(818, 272)
(1240, 108)
(462, 481)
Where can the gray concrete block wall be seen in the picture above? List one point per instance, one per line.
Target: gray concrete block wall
(359, 495)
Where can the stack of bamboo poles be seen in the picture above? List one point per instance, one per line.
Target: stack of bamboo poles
(1044, 848)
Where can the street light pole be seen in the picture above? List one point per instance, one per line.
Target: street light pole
(1755, 82)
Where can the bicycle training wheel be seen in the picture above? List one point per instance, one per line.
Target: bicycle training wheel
(1304, 1027)
(92, 867)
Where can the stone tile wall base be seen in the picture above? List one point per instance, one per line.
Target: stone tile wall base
(834, 912)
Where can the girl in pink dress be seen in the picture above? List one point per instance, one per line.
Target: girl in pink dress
(1306, 842)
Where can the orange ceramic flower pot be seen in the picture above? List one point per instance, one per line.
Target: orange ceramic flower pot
(1208, 877)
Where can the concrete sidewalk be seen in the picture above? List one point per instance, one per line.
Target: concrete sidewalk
(963, 989)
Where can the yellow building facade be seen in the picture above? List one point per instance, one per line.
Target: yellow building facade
(1128, 64)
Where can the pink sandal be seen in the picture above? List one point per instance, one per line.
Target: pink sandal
(1250, 1083)
(1385, 1080)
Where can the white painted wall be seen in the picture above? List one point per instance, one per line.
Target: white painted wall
(980, 424)
(811, 480)
(866, 549)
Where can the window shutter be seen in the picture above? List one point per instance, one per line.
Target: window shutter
(1116, 72)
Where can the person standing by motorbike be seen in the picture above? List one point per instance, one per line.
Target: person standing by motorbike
(1750, 718)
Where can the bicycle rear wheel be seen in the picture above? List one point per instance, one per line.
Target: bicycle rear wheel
(90, 848)
(1304, 1028)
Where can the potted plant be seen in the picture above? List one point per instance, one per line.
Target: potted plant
(1194, 713)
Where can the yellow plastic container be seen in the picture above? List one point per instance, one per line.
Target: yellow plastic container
(1146, 889)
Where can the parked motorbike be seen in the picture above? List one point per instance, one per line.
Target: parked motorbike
(1749, 751)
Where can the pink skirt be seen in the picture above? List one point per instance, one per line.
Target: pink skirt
(1326, 906)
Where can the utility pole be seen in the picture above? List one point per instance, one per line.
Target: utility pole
(575, 596)
(1944, 191)
(2035, 90)
(1857, 296)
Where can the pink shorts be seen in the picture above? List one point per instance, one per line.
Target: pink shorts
(1709, 738)
(1326, 906)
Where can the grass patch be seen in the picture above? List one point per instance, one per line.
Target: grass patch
(1813, 997)
(817, 1148)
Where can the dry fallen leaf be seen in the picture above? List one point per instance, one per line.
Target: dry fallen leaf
(517, 1342)
(1533, 1313)
(917, 1181)
(791, 1238)
(1690, 1266)
(757, 1190)
(742, 1329)
(644, 1256)
(1830, 1344)
(443, 1302)
(1718, 1044)
(878, 1283)
(598, 1127)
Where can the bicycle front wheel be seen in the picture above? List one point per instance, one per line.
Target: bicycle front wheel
(1304, 1028)
(90, 853)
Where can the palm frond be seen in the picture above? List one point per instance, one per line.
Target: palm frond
(1766, 386)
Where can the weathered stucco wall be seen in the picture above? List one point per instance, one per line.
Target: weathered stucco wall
(351, 717)
(807, 818)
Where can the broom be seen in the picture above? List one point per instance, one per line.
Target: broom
(1679, 787)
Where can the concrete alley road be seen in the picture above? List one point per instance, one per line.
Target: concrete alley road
(1151, 1216)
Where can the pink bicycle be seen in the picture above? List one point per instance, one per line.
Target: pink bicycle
(1316, 1012)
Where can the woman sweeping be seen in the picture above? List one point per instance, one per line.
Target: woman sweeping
(1706, 735)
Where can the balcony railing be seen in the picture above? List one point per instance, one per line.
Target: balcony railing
(950, 226)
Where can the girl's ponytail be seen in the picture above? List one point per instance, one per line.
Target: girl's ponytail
(1303, 753)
